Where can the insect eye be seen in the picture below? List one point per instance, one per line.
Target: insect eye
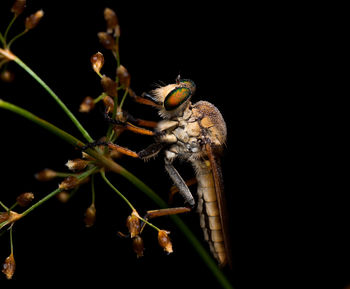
(176, 97)
(189, 84)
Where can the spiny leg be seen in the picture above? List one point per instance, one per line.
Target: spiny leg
(179, 182)
(175, 189)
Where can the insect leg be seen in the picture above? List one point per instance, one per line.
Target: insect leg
(174, 189)
(179, 182)
(163, 212)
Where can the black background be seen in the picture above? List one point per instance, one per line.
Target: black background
(255, 65)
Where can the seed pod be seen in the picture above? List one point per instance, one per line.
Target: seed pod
(164, 241)
(33, 20)
(63, 196)
(109, 103)
(97, 61)
(109, 86)
(123, 76)
(137, 245)
(133, 224)
(45, 175)
(18, 7)
(4, 216)
(68, 183)
(90, 216)
(7, 76)
(77, 164)
(111, 19)
(25, 199)
(9, 266)
(106, 40)
(87, 105)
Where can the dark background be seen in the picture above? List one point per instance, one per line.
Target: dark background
(256, 66)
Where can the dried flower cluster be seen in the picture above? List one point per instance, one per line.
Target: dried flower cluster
(114, 90)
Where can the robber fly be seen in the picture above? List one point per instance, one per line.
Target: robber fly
(195, 133)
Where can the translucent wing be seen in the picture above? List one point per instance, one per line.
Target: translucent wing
(219, 190)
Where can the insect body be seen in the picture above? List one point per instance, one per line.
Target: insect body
(195, 133)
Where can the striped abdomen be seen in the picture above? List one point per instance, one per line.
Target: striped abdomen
(208, 209)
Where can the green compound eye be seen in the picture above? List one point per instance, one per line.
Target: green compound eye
(176, 97)
(189, 84)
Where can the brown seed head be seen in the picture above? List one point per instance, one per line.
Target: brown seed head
(133, 224)
(77, 164)
(9, 218)
(164, 241)
(97, 61)
(87, 105)
(90, 216)
(33, 20)
(109, 86)
(25, 199)
(137, 245)
(68, 183)
(123, 76)
(18, 7)
(9, 267)
(7, 76)
(109, 103)
(63, 196)
(106, 40)
(4, 216)
(111, 19)
(45, 175)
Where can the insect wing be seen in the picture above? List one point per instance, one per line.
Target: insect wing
(219, 190)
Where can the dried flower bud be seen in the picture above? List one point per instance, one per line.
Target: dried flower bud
(25, 199)
(18, 7)
(111, 20)
(106, 40)
(9, 266)
(97, 61)
(109, 103)
(63, 196)
(109, 86)
(68, 183)
(90, 216)
(137, 245)
(7, 76)
(77, 164)
(9, 218)
(133, 224)
(33, 20)
(4, 216)
(45, 175)
(123, 76)
(164, 241)
(87, 105)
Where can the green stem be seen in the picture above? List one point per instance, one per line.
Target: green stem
(56, 98)
(16, 37)
(100, 97)
(2, 205)
(116, 190)
(11, 240)
(2, 39)
(55, 192)
(9, 27)
(93, 189)
(123, 99)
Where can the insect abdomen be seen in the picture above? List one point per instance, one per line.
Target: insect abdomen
(209, 213)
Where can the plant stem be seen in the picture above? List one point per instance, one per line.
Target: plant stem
(2, 205)
(116, 190)
(56, 98)
(55, 192)
(9, 27)
(16, 37)
(11, 240)
(2, 39)
(93, 189)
